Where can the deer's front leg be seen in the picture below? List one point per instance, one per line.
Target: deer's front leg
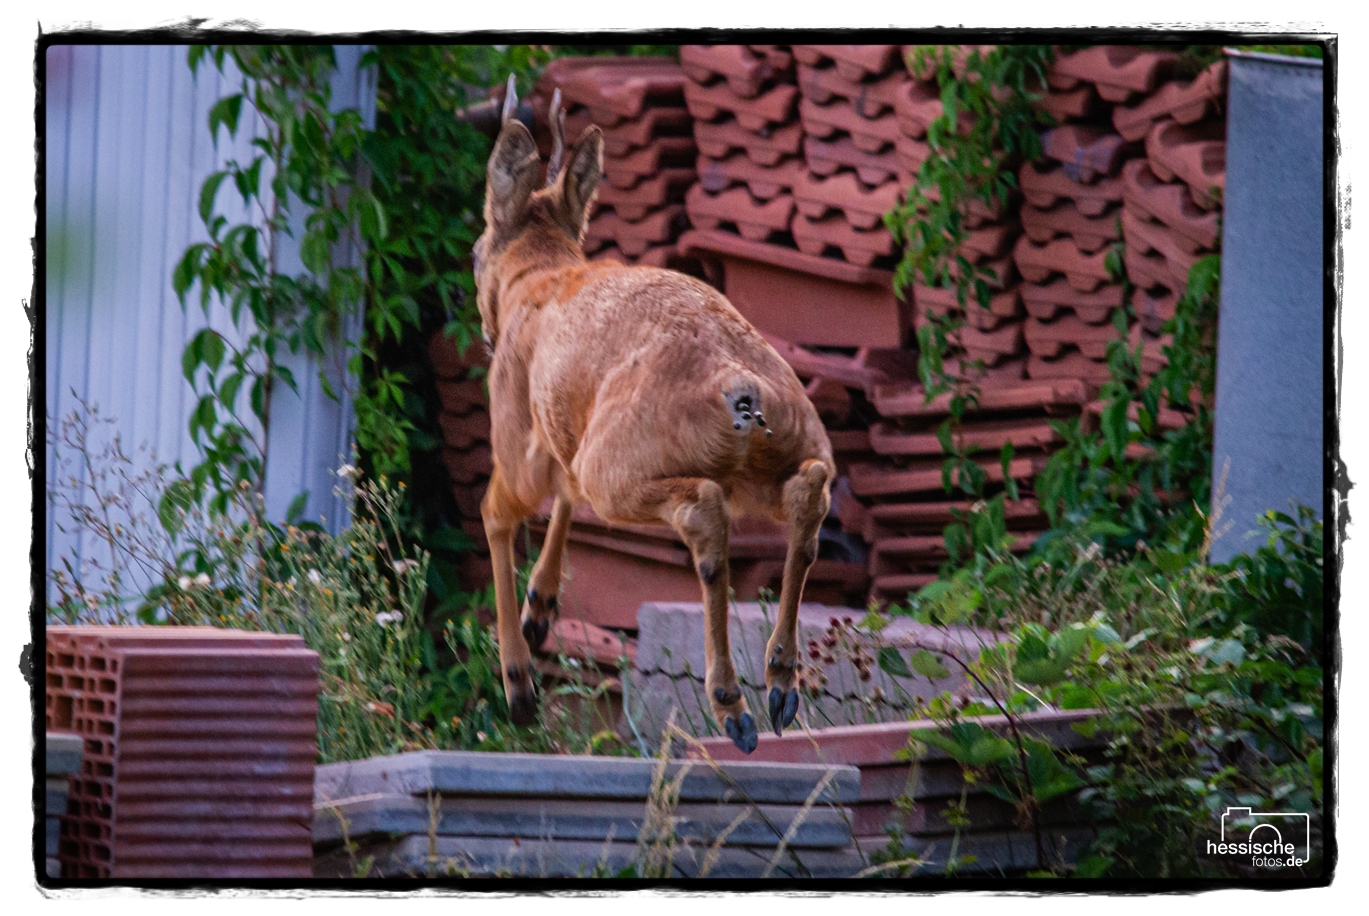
(500, 514)
(544, 588)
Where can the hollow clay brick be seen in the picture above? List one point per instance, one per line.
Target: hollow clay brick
(1045, 301)
(716, 140)
(816, 236)
(853, 62)
(461, 397)
(1005, 370)
(1088, 232)
(754, 219)
(1155, 308)
(871, 135)
(744, 70)
(863, 207)
(1145, 237)
(630, 135)
(737, 168)
(764, 112)
(465, 466)
(633, 238)
(1085, 272)
(868, 368)
(1049, 338)
(461, 432)
(1002, 305)
(1044, 187)
(616, 89)
(910, 155)
(449, 360)
(869, 99)
(825, 157)
(1119, 71)
(992, 346)
(904, 399)
(650, 193)
(1196, 154)
(662, 153)
(1191, 227)
(1186, 103)
(1153, 358)
(877, 480)
(1070, 365)
(1087, 153)
(917, 104)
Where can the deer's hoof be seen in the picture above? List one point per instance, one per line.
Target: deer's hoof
(535, 632)
(742, 732)
(522, 696)
(783, 708)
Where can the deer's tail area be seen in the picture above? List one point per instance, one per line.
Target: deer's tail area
(742, 396)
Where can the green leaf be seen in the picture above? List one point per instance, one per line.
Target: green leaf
(213, 349)
(228, 389)
(926, 664)
(891, 662)
(1092, 867)
(208, 191)
(295, 511)
(1041, 671)
(225, 111)
(1228, 651)
(1114, 425)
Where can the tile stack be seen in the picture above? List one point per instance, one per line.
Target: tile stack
(793, 240)
(465, 422)
(639, 104)
(198, 757)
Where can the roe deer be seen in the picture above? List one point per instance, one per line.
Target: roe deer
(642, 392)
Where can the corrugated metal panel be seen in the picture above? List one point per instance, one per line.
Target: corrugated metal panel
(128, 147)
(1270, 331)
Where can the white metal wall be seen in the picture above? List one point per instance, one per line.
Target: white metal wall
(127, 147)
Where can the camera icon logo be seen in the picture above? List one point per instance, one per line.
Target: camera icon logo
(1277, 830)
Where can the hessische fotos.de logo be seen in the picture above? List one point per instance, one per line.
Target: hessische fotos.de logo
(1271, 840)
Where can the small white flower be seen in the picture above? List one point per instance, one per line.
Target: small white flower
(314, 576)
(202, 580)
(184, 583)
(346, 637)
(383, 618)
(402, 567)
(397, 617)
(348, 472)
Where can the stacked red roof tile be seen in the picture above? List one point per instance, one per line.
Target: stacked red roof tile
(639, 104)
(465, 422)
(802, 150)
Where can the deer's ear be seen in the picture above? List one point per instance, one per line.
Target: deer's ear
(512, 174)
(582, 176)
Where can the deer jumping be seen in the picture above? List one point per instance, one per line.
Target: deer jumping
(642, 392)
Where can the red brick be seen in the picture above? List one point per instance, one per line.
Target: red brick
(1145, 237)
(868, 368)
(814, 237)
(894, 555)
(975, 316)
(1154, 309)
(1082, 102)
(630, 135)
(1153, 358)
(853, 62)
(1186, 103)
(716, 140)
(450, 361)
(1119, 71)
(463, 396)
(755, 220)
(1043, 302)
(868, 99)
(779, 57)
(1196, 154)
(625, 172)
(917, 104)
(764, 182)
(992, 346)
(1070, 365)
(1169, 418)
(633, 238)
(746, 71)
(932, 517)
(466, 465)
(1087, 153)
(1002, 372)
(925, 476)
(1048, 339)
(831, 400)
(651, 193)
(910, 154)
(1088, 232)
(759, 114)
(825, 157)
(870, 135)
(863, 207)
(1085, 272)
(909, 400)
(1003, 305)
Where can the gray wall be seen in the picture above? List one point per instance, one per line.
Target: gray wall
(127, 147)
(1270, 332)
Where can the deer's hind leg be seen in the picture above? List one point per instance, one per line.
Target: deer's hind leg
(501, 512)
(697, 509)
(544, 587)
(805, 503)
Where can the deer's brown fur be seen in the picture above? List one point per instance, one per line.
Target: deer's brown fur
(643, 393)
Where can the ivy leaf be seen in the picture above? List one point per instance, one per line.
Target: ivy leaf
(225, 111)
